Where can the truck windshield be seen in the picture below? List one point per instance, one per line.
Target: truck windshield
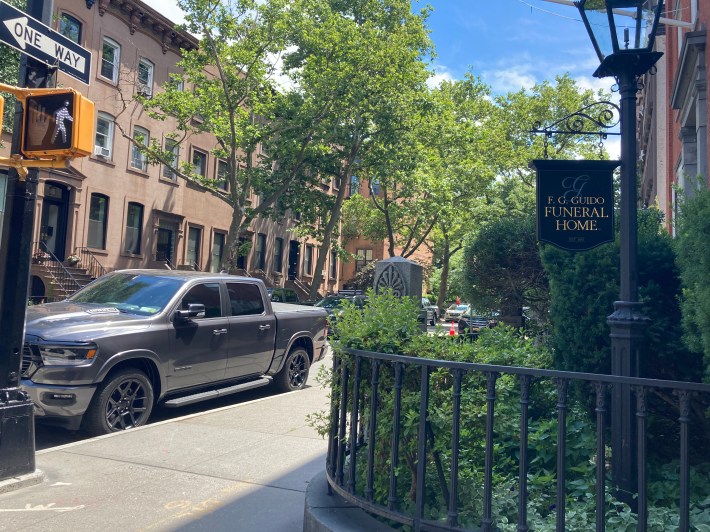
(128, 292)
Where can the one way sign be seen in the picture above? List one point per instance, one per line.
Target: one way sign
(35, 39)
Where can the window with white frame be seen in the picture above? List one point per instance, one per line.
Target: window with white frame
(173, 148)
(141, 137)
(145, 77)
(103, 140)
(199, 162)
(110, 59)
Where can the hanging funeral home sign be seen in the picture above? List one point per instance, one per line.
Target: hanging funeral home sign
(575, 203)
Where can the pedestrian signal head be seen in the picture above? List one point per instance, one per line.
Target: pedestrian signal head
(57, 123)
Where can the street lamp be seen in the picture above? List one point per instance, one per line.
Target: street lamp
(623, 34)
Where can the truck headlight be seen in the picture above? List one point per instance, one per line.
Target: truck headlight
(67, 354)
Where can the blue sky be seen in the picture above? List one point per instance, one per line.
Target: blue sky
(512, 44)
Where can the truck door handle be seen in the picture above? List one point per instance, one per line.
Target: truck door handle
(264, 327)
(217, 332)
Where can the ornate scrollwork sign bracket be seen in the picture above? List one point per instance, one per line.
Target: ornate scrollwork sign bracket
(597, 118)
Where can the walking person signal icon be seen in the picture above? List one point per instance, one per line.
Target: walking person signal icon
(57, 122)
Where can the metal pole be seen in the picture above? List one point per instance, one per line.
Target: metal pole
(626, 322)
(17, 450)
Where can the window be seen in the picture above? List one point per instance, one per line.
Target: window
(217, 252)
(103, 143)
(278, 254)
(206, 294)
(174, 148)
(138, 159)
(70, 28)
(245, 299)
(333, 264)
(362, 258)
(145, 77)
(194, 241)
(375, 185)
(110, 59)
(134, 228)
(98, 221)
(308, 264)
(199, 162)
(354, 185)
(222, 173)
(259, 253)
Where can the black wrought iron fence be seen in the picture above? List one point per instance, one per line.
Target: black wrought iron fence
(395, 453)
(90, 263)
(64, 283)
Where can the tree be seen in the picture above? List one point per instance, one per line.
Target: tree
(9, 70)
(359, 71)
(503, 270)
(693, 247)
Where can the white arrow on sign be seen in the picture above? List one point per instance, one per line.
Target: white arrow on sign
(27, 36)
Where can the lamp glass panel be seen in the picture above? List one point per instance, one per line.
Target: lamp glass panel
(633, 22)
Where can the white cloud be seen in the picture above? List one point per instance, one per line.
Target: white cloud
(441, 73)
(510, 79)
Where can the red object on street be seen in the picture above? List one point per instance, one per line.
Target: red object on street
(452, 332)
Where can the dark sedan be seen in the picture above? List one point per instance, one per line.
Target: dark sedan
(471, 324)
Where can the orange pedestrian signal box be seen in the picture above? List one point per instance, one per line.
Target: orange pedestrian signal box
(56, 123)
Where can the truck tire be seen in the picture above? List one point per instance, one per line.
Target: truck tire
(123, 401)
(294, 374)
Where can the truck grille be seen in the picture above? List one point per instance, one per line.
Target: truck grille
(30, 358)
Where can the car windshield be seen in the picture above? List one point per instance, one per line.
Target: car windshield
(129, 292)
(330, 302)
(462, 308)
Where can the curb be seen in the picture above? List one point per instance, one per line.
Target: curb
(332, 513)
(22, 481)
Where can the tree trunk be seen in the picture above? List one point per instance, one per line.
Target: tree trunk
(443, 286)
(324, 248)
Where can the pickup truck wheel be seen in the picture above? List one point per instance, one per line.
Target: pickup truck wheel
(294, 374)
(125, 401)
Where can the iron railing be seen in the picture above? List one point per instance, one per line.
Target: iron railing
(359, 426)
(61, 278)
(90, 263)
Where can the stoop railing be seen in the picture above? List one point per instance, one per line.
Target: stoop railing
(90, 263)
(367, 460)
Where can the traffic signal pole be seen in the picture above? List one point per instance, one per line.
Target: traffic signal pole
(17, 445)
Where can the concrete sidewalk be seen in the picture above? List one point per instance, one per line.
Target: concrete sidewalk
(242, 467)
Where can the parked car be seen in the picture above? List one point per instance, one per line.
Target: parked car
(471, 323)
(103, 358)
(283, 295)
(432, 311)
(454, 312)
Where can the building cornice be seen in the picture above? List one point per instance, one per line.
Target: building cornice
(140, 16)
(693, 49)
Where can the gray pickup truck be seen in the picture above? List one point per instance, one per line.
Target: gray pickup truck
(103, 358)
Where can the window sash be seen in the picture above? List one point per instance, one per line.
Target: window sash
(104, 133)
(70, 28)
(278, 255)
(217, 252)
(134, 228)
(145, 76)
(199, 163)
(98, 216)
(110, 59)
(174, 148)
(138, 159)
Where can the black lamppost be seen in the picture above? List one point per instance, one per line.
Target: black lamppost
(623, 34)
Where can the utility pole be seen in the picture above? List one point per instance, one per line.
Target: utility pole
(17, 445)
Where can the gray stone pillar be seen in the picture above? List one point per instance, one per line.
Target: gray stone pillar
(403, 276)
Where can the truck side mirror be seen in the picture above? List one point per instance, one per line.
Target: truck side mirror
(194, 310)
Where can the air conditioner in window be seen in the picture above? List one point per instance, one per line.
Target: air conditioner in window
(100, 151)
(144, 90)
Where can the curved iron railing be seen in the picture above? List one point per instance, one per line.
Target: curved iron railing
(90, 263)
(354, 426)
(62, 279)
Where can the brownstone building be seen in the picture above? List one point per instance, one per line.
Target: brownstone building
(112, 209)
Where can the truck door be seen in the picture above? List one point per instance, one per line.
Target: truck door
(198, 348)
(252, 332)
